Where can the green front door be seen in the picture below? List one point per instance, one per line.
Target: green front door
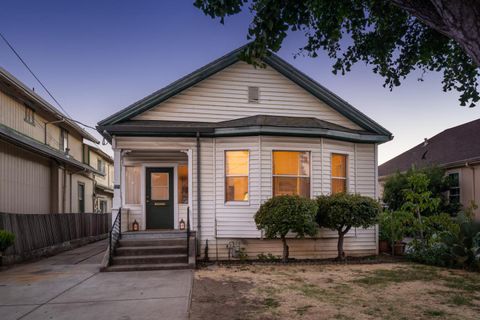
(159, 198)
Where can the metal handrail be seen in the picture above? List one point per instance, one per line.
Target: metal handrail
(114, 235)
(188, 233)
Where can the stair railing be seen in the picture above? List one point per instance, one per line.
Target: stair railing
(114, 235)
(188, 233)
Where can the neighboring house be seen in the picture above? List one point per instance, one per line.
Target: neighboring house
(457, 150)
(104, 181)
(41, 155)
(227, 137)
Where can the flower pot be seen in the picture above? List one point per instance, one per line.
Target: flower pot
(384, 246)
(399, 248)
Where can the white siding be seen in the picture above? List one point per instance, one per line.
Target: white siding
(224, 96)
(223, 223)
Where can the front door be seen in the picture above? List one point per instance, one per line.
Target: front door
(159, 198)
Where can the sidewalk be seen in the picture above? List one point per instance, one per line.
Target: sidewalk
(69, 286)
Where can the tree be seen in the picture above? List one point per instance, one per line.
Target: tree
(419, 199)
(395, 37)
(396, 185)
(283, 214)
(343, 211)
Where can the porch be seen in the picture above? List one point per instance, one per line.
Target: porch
(154, 188)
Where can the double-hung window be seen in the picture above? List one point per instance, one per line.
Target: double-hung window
(81, 197)
(183, 183)
(454, 191)
(339, 173)
(63, 140)
(132, 185)
(236, 175)
(291, 173)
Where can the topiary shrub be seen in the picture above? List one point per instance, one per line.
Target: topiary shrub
(343, 211)
(6, 240)
(283, 214)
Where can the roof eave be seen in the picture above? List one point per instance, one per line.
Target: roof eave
(44, 104)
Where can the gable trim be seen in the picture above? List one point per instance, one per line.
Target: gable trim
(273, 61)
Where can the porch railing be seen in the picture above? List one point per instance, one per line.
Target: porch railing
(114, 235)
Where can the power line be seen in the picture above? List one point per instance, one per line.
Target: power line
(41, 83)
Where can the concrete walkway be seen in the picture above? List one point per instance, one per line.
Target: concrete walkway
(69, 286)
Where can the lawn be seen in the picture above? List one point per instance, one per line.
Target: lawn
(379, 291)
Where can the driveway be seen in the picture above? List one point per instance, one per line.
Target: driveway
(70, 286)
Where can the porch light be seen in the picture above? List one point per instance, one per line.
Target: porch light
(182, 225)
(135, 225)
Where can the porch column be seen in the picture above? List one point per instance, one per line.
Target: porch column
(117, 178)
(190, 186)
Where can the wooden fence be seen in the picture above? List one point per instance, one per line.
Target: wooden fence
(37, 231)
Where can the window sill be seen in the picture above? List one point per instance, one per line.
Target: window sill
(237, 203)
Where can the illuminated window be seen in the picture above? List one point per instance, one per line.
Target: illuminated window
(291, 173)
(183, 183)
(236, 175)
(339, 173)
(132, 185)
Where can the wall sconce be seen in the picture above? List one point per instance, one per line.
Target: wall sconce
(182, 225)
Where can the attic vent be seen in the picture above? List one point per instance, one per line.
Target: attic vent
(253, 94)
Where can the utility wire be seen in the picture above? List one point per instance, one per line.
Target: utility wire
(41, 83)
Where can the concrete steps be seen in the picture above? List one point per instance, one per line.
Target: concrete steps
(148, 267)
(141, 251)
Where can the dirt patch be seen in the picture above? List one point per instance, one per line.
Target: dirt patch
(381, 291)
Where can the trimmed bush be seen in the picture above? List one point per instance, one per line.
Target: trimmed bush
(283, 214)
(343, 211)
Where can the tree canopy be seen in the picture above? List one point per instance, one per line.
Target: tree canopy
(394, 37)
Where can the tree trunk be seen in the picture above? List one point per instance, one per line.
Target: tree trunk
(457, 19)
(341, 254)
(285, 250)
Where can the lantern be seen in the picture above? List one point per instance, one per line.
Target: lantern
(182, 225)
(135, 225)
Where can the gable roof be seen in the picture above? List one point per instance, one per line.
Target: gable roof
(253, 125)
(273, 61)
(16, 87)
(452, 147)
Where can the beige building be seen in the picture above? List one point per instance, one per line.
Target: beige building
(226, 138)
(101, 161)
(457, 150)
(42, 155)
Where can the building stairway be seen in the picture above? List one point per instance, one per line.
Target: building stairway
(153, 250)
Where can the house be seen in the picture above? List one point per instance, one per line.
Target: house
(227, 137)
(457, 150)
(103, 191)
(42, 167)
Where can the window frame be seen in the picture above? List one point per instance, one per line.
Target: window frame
(81, 202)
(235, 202)
(27, 118)
(346, 171)
(63, 138)
(310, 167)
(250, 91)
(458, 188)
(179, 185)
(101, 165)
(140, 181)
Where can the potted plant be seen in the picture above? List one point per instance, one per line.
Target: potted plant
(394, 226)
(6, 240)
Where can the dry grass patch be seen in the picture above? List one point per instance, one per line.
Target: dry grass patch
(382, 291)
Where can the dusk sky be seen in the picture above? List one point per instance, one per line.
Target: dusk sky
(97, 57)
